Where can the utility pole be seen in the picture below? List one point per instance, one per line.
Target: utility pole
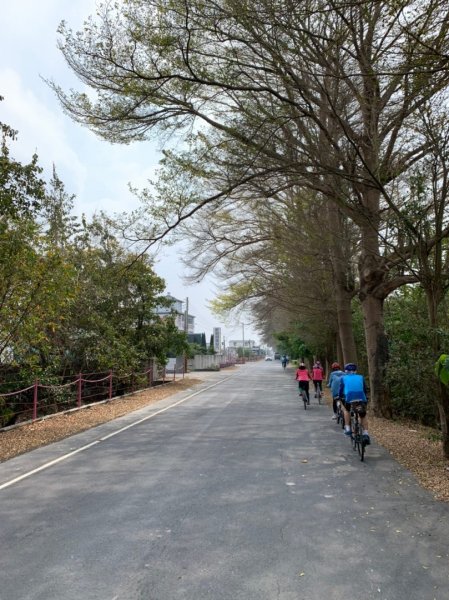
(186, 330)
(186, 317)
(243, 335)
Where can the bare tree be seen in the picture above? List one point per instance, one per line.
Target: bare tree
(259, 82)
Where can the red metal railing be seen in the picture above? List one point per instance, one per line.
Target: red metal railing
(40, 399)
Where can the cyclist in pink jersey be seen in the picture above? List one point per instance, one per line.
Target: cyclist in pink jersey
(303, 377)
(317, 377)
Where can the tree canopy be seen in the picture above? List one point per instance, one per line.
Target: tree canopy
(325, 101)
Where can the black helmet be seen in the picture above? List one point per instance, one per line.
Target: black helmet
(351, 367)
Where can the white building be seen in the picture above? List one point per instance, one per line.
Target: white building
(217, 340)
(176, 308)
(241, 343)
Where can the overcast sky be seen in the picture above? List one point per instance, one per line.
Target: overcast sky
(96, 171)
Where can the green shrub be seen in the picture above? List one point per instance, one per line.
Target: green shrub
(410, 375)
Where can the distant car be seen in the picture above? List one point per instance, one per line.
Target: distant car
(268, 358)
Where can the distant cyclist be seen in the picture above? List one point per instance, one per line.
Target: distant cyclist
(284, 361)
(318, 376)
(334, 385)
(353, 390)
(303, 377)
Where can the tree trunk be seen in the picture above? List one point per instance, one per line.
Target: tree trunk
(372, 277)
(377, 352)
(343, 287)
(340, 358)
(344, 317)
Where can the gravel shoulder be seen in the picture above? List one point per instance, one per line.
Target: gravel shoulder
(415, 447)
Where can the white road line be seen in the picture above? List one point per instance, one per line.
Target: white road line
(106, 437)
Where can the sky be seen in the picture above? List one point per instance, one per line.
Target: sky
(96, 172)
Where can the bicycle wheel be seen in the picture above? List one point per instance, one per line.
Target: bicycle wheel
(358, 438)
(354, 438)
(359, 434)
(340, 417)
(361, 445)
(361, 448)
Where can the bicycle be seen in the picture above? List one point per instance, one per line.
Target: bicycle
(318, 392)
(357, 430)
(305, 399)
(340, 415)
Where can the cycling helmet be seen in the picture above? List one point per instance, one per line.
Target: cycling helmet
(336, 366)
(351, 367)
(302, 366)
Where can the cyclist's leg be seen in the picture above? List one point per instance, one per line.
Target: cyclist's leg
(334, 408)
(302, 392)
(346, 407)
(364, 423)
(306, 389)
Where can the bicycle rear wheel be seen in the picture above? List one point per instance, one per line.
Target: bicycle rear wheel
(340, 417)
(358, 439)
(361, 445)
(362, 448)
(354, 437)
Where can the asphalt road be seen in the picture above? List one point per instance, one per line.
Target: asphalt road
(233, 493)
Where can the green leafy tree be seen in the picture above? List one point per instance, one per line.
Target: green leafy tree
(35, 280)
(21, 187)
(113, 321)
(410, 379)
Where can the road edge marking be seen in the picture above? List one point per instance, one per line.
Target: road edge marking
(106, 437)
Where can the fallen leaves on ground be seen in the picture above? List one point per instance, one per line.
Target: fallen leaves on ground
(416, 448)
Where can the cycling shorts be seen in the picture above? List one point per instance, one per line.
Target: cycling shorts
(348, 405)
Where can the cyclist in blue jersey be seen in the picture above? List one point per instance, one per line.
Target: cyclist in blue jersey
(353, 389)
(334, 385)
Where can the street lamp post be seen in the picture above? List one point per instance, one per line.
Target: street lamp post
(243, 335)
